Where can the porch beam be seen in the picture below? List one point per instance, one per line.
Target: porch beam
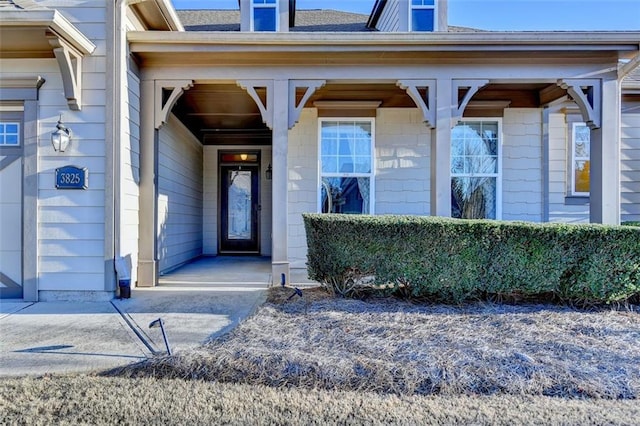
(148, 204)
(426, 103)
(604, 206)
(279, 94)
(441, 150)
(296, 108)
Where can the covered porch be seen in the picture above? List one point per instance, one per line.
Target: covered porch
(278, 89)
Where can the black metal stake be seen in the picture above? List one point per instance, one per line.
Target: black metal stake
(160, 322)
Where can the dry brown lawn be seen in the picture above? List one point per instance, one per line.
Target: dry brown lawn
(391, 347)
(320, 360)
(87, 400)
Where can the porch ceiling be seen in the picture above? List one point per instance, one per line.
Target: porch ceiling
(224, 114)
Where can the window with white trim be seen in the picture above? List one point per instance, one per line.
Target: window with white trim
(475, 169)
(9, 133)
(346, 166)
(423, 15)
(580, 159)
(264, 15)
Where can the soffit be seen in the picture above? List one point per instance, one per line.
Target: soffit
(226, 114)
(28, 34)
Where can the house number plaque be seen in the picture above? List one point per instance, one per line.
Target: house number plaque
(72, 177)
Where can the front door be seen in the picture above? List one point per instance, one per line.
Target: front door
(239, 209)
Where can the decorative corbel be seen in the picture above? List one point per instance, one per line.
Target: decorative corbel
(167, 93)
(296, 108)
(587, 94)
(266, 107)
(471, 87)
(427, 103)
(70, 63)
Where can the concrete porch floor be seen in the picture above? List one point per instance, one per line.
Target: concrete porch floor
(233, 272)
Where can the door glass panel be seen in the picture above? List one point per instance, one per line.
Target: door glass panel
(239, 211)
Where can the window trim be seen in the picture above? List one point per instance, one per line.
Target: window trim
(371, 175)
(572, 159)
(413, 7)
(275, 6)
(499, 173)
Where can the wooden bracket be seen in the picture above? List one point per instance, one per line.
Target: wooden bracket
(426, 103)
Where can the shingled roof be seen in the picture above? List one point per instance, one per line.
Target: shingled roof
(315, 20)
(19, 4)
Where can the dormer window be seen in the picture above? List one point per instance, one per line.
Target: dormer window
(264, 15)
(422, 15)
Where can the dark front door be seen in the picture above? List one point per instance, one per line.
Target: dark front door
(239, 210)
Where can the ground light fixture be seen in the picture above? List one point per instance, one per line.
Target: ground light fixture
(61, 137)
(160, 323)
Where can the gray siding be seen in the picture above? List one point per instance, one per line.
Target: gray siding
(180, 195)
(630, 161)
(389, 20)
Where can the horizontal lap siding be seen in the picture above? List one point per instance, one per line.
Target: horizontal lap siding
(180, 195)
(71, 229)
(630, 161)
(559, 211)
(389, 20)
(522, 165)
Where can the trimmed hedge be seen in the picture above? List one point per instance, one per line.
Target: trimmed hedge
(453, 260)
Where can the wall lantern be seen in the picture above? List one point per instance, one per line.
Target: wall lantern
(61, 138)
(268, 173)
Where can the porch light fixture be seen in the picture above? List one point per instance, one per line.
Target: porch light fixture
(268, 173)
(61, 137)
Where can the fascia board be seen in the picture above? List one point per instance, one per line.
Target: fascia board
(513, 41)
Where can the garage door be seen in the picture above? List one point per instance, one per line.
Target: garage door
(11, 153)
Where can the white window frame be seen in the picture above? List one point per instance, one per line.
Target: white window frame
(275, 6)
(371, 175)
(497, 175)
(17, 134)
(413, 7)
(573, 159)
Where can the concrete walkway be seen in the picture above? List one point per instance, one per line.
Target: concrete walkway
(195, 304)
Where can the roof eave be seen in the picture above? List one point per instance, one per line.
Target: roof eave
(52, 20)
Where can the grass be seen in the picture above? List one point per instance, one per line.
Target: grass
(320, 360)
(392, 347)
(90, 400)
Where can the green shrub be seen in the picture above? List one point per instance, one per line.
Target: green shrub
(456, 260)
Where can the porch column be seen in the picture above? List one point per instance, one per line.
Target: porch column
(605, 158)
(441, 150)
(280, 198)
(147, 261)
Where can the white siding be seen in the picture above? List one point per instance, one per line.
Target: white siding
(402, 149)
(179, 195)
(522, 165)
(389, 20)
(630, 161)
(303, 182)
(211, 198)
(559, 210)
(71, 230)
